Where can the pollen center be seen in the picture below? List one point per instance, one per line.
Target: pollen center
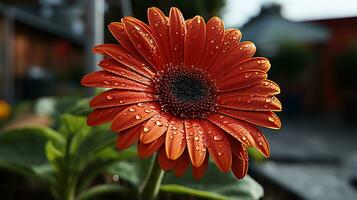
(186, 92)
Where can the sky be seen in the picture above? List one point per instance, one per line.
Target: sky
(238, 12)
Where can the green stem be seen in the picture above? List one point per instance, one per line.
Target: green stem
(149, 189)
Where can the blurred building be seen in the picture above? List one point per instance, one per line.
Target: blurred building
(308, 59)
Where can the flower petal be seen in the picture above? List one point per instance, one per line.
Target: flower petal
(213, 42)
(182, 165)
(144, 42)
(195, 142)
(264, 87)
(146, 150)
(128, 137)
(246, 133)
(257, 63)
(198, 172)
(240, 159)
(218, 146)
(241, 80)
(177, 30)
(159, 26)
(118, 31)
(231, 39)
(164, 162)
(175, 139)
(194, 41)
(103, 115)
(104, 79)
(264, 118)
(234, 56)
(121, 55)
(134, 115)
(119, 69)
(252, 102)
(155, 128)
(119, 97)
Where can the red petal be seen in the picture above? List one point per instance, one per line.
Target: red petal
(231, 39)
(121, 55)
(264, 118)
(144, 43)
(104, 79)
(246, 133)
(198, 172)
(218, 146)
(264, 87)
(240, 159)
(134, 115)
(103, 115)
(234, 56)
(175, 139)
(257, 63)
(194, 41)
(128, 137)
(239, 81)
(159, 26)
(251, 102)
(119, 69)
(213, 43)
(195, 142)
(182, 165)
(146, 150)
(154, 128)
(164, 161)
(177, 30)
(119, 97)
(118, 31)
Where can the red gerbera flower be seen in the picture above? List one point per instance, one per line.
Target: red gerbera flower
(184, 89)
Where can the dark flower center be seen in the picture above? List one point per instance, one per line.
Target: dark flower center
(186, 92)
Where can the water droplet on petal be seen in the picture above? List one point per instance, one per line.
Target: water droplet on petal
(159, 123)
(137, 117)
(196, 138)
(217, 137)
(271, 119)
(110, 97)
(146, 129)
(132, 109)
(244, 138)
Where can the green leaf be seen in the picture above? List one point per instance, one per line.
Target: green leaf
(222, 184)
(23, 151)
(53, 154)
(71, 124)
(179, 189)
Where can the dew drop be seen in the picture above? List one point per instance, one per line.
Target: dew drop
(110, 97)
(137, 117)
(217, 138)
(147, 111)
(268, 100)
(244, 138)
(159, 123)
(220, 153)
(132, 109)
(196, 138)
(260, 144)
(140, 104)
(146, 129)
(271, 119)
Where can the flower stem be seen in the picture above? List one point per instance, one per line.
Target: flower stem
(149, 189)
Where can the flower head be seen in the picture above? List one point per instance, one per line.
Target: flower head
(185, 89)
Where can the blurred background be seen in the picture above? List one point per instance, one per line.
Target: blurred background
(45, 49)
